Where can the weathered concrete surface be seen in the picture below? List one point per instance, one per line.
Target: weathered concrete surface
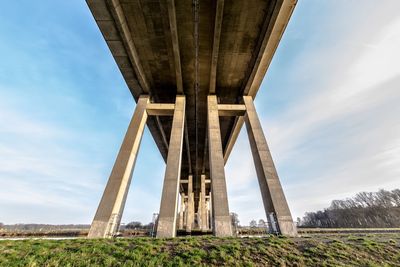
(169, 199)
(109, 212)
(221, 217)
(270, 186)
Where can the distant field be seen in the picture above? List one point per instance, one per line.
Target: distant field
(313, 250)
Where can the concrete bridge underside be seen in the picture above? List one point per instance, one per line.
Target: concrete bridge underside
(194, 68)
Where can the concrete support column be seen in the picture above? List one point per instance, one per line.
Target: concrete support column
(221, 218)
(190, 205)
(207, 215)
(185, 215)
(169, 199)
(181, 211)
(108, 216)
(203, 210)
(210, 213)
(199, 211)
(275, 203)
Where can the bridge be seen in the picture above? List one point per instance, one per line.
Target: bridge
(194, 68)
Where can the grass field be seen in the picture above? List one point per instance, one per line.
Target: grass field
(359, 250)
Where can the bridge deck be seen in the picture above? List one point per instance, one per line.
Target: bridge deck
(196, 48)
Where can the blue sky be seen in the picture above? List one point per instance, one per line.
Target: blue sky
(329, 105)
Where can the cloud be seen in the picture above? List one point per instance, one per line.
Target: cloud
(340, 134)
(347, 133)
(43, 177)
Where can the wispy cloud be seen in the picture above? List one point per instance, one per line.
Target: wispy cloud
(40, 172)
(342, 135)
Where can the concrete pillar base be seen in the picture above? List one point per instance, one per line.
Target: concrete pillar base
(222, 226)
(287, 228)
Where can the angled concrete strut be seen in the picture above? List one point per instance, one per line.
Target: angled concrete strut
(275, 204)
(109, 212)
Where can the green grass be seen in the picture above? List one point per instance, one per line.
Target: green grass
(347, 250)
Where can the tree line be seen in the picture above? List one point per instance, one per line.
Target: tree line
(365, 210)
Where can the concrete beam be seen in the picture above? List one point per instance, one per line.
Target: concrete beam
(122, 24)
(111, 33)
(162, 132)
(169, 199)
(275, 203)
(175, 45)
(231, 110)
(156, 109)
(221, 217)
(267, 45)
(233, 137)
(108, 216)
(219, 12)
(272, 34)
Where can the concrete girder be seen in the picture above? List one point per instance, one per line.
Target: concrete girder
(119, 17)
(155, 109)
(219, 12)
(268, 44)
(175, 45)
(228, 110)
(266, 47)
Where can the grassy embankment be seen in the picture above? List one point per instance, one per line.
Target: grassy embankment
(367, 250)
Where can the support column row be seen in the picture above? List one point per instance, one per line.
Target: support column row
(108, 216)
(275, 204)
